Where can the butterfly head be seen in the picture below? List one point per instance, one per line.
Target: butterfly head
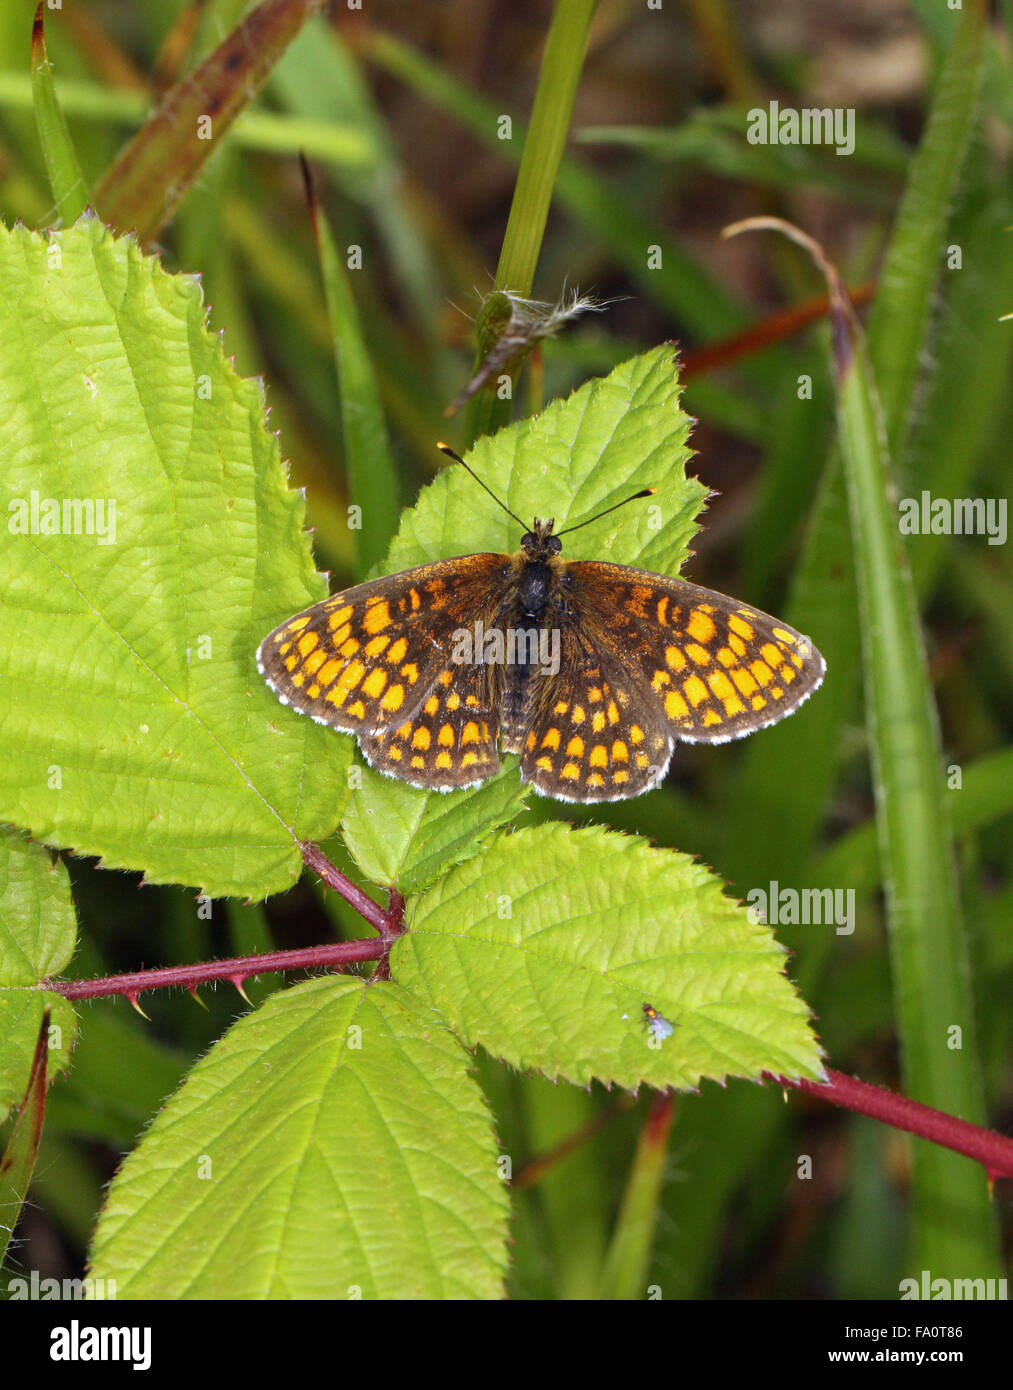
(539, 543)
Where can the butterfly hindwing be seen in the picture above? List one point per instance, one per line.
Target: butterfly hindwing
(595, 732)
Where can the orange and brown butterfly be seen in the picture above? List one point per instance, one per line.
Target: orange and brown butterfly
(590, 671)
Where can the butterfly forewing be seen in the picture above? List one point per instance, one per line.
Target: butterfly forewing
(367, 660)
(718, 668)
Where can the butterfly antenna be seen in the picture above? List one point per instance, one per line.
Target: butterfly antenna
(457, 458)
(645, 492)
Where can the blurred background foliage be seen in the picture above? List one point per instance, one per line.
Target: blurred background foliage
(398, 111)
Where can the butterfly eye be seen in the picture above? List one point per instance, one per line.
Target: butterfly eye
(555, 545)
(528, 539)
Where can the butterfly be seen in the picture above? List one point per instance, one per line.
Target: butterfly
(589, 671)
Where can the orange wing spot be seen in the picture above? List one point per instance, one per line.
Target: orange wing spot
(470, 734)
(410, 672)
(485, 732)
(578, 716)
(469, 759)
(357, 710)
(435, 586)
(445, 677)
(291, 662)
(662, 610)
(298, 680)
(393, 751)
(700, 655)
(613, 712)
(351, 676)
(744, 681)
(418, 762)
(776, 691)
(561, 707)
(737, 645)
(575, 748)
(771, 654)
(393, 697)
(598, 721)
(446, 736)
(787, 674)
(444, 760)
(337, 695)
(694, 690)
(403, 730)
(413, 595)
(551, 739)
(570, 772)
(762, 672)
(726, 656)
(700, 626)
(675, 706)
(396, 654)
(313, 691)
(422, 738)
(374, 683)
(350, 647)
(432, 705)
(620, 776)
(798, 659)
(620, 753)
(339, 617)
(733, 705)
(721, 685)
(297, 624)
(596, 780)
(599, 756)
(454, 701)
(341, 635)
(711, 717)
(675, 657)
(659, 680)
(307, 642)
(529, 742)
(594, 694)
(783, 635)
(706, 608)
(377, 645)
(544, 763)
(284, 648)
(759, 702)
(376, 616)
(636, 733)
(741, 628)
(642, 760)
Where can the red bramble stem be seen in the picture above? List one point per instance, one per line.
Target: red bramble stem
(238, 969)
(993, 1151)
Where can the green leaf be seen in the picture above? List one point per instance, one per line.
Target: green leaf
(37, 936)
(70, 190)
(405, 838)
(136, 725)
(612, 437)
(545, 949)
(372, 481)
(304, 1158)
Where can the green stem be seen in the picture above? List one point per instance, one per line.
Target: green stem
(543, 150)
